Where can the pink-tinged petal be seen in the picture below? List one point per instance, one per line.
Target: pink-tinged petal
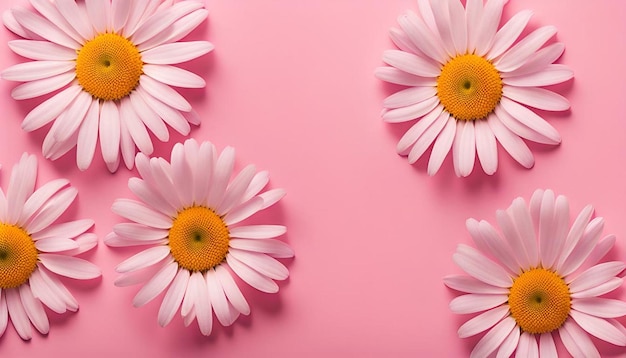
(399, 77)
(11, 23)
(584, 247)
(509, 344)
(98, 12)
(21, 186)
(182, 176)
(535, 206)
(48, 10)
(547, 348)
(42, 50)
(596, 276)
(135, 126)
(55, 245)
(156, 285)
(428, 137)
(261, 263)
(511, 142)
(274, 248)
(466, 147)
(442, 146)
(202, 304)
(539, 98)
(178, 30)
(221, 175)
(458, 26)
(539, 61)
(69, 123)
(36, 70)
(600, 307)
(527, 346)
(258, 231)
(120, 10)
(520, 128)
(70, 266)
(517, 55)
(76, 17)
(4, 313)
(483, 322)
(169, 115)
(599, 328)
(231, 290)
(575, 233)
(163, 182)
(550, 217)
(44, 28)
(17, 313)
(139, 213)
(472, 303)
(140, 276)
(577, 341)
(34, 310)
(473, 17)
(411, 112)
(139, 232)
(50, 109)
(188, 319)
(480, 267)
(236, 189)
(88, 137)
(109, 129)
(601, 249)
(402, 41)
(422, 37)
(149, 117)
(257, 184)
(58, 149)
(66, 230)
(207, 156)
(551, 75)
(523, 222)
(127, 146)
(250, 276)
(135, 13)
(174, 76)
(218, 299)
(271, 197)
(441, 15)
(498, 247)
(508, 33)
(148, 196)
(186, 307)
(469, 284)
(85, 243)
(51, 210)
(488, 26)
(427, 15)
(409, 96)
(144, 259)
(411, 63)
(161, 20)
(530, 119)
(173, 298)
(164, 93)
(512, 236)
(492, 340)
(45, 293)
(170, 54)
(418, 129)
(486, 147)
(41, 87)
(60, 290)
(244, 211)
(599, 290)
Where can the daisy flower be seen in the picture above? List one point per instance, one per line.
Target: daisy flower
(189, 215)
(33, 248)
(540, 278)
(470, 84)
(113, 61)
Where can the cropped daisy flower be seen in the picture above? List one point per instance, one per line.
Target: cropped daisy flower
(33, 248)
(470, 84)
(189, 215)
(540, 278)
(113, 61)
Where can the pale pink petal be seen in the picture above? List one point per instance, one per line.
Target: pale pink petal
(402, 41)
(135, 13)
(21, 186)
(539, 61)
(174, 76)
(182, 177)
(441, 15)
(70, 266)
(143, 259)
(257, 184)
(178, 30)
(60, 290)
(4, 313)
(524, 225)
(67, 230)
(141, 275)
(51, 210)
(149, 117)
(244, 211)
(535, 206)
(88, 137)
(599, 328)
(411, 63)
(600, 307)
(483, 321)
(575, 234)
(492, 340)
(221, 175)
(55, 244)
(466, 147)
(262, 263)
(98, 12)
(69, 123)
(76, 17)
(508, 33)
(45, 293)
(469, 284)
(41, 87)
(472, 303)
(85, 243)
(135, 126)
(547, 348)
(36, 70)
(512, 236)
(169, 54)
(34, 310)
(521, 129)
(11, 23)
(399, 77)
(127, 146)
(537, 97)
(411, 112)
(599, 290)
(274, 248)
(517, 55)
(595, 276)
(480, 267)
(551, 75)
(17, 313)
(527, 346)
(271, 197)
(156, 285)
(109, 129)
(44, 28)
(231, 290)
(426, 12)
(486, 147)
(442, 146)
(428, 137)
(139, 232)
(164, 93)
(458, 26)
(158, 22)
(207, 156)
(120, 10)
(550, 217)
(577, 342)
(50, 109)
(530, 119)
(584, 247)
(509, 344)
(257, 231)
(418, 129)
(169, 115)
(218, 298)
(52, 14)
(511, 142)
(139, 213)
(498, 247)
(236, 189)
(148, 196)
(202, 304)
(164, 183)
(473, 17)
(488, 26)
(422, 37)
(409, 96)
(173, 298)
(250, 276)
(42, 50)
(601, 249)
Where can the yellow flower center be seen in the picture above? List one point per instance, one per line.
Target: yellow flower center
(198, 239)
(469, 87)
(18, 256)
(109, 67)
(539, 301)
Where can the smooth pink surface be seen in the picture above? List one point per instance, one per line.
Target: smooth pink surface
(291, 87)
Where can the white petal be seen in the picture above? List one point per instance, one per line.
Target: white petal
(69, 229)
(521, 129)
(36, 70)
(156, 285)
(149, 117)
(70, 266)
(135, 126)
(143, 259)
(530, 119)
(34, 310)
(163, 19)
(258, 231)
(584, 247)
(418, 129)
(492, 340)
(177, 52)
(50, 109)
(575, 234)
(178, 30)
(169, 115)
(599, 327)
(236, 189)
(202, 304)
(55, 244)
(59, 288)
(511, 143)
(44, 28)
(466, 153)
(17, 313)
(411, 112)
(551, 75)
(69, 123)
(523, 222)
(469, 284)
(164, 93)
(428, 136)
(174, 76)
(480, 267)
(399, 77)
(262, 263)
(45, 293)
(422, 37)
(244, 211)
(537, 97)
(251, 277)
(109, 129)
(218, 298)
(127, 146)
(517, 55)
(51, 210)
(486, 32)
(409, 97)
(76, 17)
(539, 61)
(173, 298)
(483, 322)
(88, 137)
(507, 35)
(472, 303)
(486, 147)
(231, 290)
(139, 213)
(442, 146)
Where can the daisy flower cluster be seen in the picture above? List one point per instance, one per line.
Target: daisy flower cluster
(113, 62)
(541, 277)
(470, 84)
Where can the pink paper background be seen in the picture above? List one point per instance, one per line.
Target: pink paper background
(291, 87)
